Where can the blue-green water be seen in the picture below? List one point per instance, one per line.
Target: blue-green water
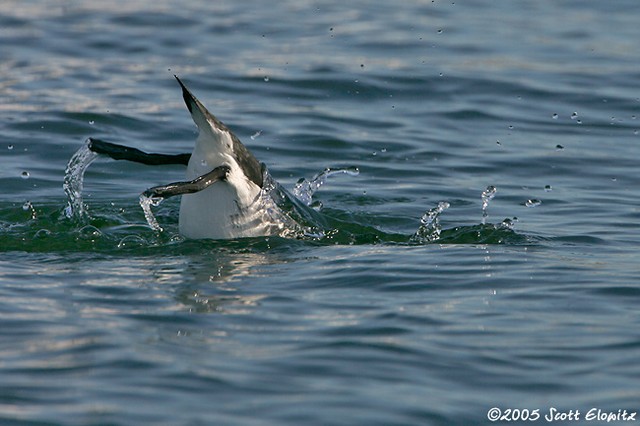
(105, 321)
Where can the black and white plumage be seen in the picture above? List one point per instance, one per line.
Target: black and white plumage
(223, 196)
(233, 207)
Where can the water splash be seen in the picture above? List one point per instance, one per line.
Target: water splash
(28, 207)
(304, 189)
(487, 196)
(74, 180)
(291, 215)
(430, 229)
(146, 203)
(275, 212)
(295, 214)
(508, 223)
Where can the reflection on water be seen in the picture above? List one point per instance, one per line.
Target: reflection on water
(220, 281)
(203, 302)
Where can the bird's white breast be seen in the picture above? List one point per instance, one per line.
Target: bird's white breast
(227, 209)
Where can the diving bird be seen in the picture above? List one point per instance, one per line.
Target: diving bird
(222, 196)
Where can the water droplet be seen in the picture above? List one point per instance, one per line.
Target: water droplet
(361, 65)
(383, 150)
(633, 117)
(10, 147)
(256, 135)
(439, 30)
(487, 195)
(266, 78)
(28, 207)
(510, 127)
(559, 147)
(25, 175)
(203, 163)
(92, 122)
(635, 132)
(574, 115)
(554, 116)
(532, 203)
(441, 74)
(579, 121)
(498, 142)
(548, 188)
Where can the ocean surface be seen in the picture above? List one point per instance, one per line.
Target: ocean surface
(416, 305)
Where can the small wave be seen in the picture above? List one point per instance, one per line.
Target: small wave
(482, 234)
